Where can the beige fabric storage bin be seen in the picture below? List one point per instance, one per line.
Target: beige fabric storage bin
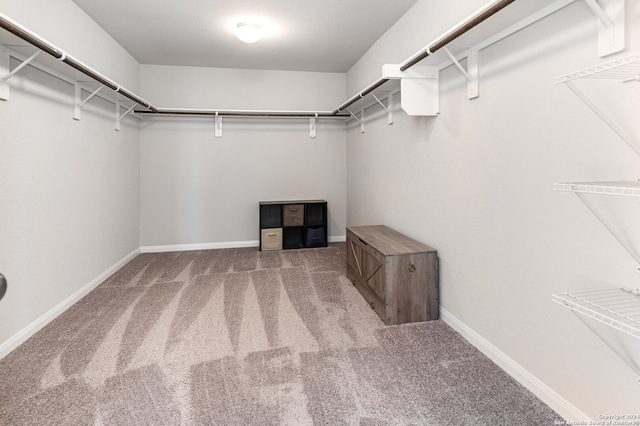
(271, 239)
(293, 214)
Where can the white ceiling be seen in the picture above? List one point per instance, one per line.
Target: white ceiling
(301, 35)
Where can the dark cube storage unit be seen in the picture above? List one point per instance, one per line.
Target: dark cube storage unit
(293, 224)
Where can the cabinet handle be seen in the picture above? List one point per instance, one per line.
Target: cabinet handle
(412, 267)
(363, 241)
(372, 305)
(272, 234)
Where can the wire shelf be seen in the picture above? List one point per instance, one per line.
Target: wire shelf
(626, 68)
(618, 308)
(624, 188)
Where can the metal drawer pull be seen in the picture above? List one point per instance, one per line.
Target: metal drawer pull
(412, 267)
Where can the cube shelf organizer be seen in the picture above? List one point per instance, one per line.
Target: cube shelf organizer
(293, 224)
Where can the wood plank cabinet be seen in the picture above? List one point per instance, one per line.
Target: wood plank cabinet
(396, 275)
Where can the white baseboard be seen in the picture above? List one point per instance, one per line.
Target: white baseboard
(211, 246)
(45, 319)
(563, 407)
(198, 246)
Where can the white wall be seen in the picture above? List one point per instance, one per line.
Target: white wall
(69, 190)
(202, 190)
(476, 183)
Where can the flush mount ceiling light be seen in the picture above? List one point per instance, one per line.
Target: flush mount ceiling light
(248, 32)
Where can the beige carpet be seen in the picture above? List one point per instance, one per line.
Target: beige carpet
(242, 337)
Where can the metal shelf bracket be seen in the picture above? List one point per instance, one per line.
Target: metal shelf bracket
(471, 73)
(602, 116)
(217, 131)
(78, 102)
(313, 126)
(612, 231)
(360, 120)
(387, 107)
(120, 117)
(5, 58)
(4, 68)
(611, 17)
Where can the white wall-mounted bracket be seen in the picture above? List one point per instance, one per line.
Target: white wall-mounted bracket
(387, 107)
(611, 31)
(5, 60)
(471, 74)
(612, 231)
(119, 116)
(217, 130)
(420, 88)
(602, 116)
(78, 102)
(4, 67)
(22, 65)
(359, 120)
(313, 126)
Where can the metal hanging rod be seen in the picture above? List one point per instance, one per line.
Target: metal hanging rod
(26, 35)
(466, 25)
(480, 16)
(232, 113)
(460, 29)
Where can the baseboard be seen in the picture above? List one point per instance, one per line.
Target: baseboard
(211, 246)
(198, 246)
(563, 407)
(45, 319)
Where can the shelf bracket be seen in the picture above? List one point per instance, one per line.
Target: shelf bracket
(420, 88)
(120, 117)
(387, 108)
(4, 67)
(217, 129)
(602, 220)
(471, 74)
(5, 60)
(611, 32)
(359, 120)
(313, 123)
(78, 102)
(22, 65)
(602, 116)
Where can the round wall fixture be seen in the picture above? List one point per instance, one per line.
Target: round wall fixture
(248, 32)
(3, 286)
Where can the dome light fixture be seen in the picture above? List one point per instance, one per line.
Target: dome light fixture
(248, 32)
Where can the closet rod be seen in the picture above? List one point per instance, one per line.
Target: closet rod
(43, 45)
(471, 22)
(214, 113)
(479, 17)
(373, 86)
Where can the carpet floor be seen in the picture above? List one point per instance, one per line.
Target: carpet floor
(243, 337)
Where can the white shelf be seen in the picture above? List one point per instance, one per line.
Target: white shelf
(626, 68)
(618, 308)
(624, 188)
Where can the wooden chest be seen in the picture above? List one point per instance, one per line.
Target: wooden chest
(397, 276)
